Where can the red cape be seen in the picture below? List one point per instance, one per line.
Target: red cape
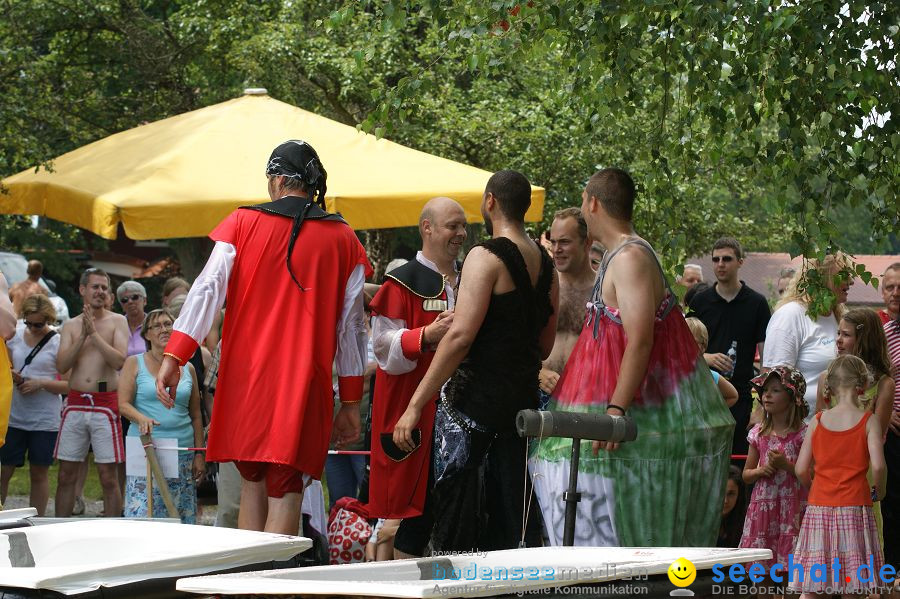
(397, 489)
(274, 395)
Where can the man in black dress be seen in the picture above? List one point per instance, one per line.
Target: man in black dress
(504, 325)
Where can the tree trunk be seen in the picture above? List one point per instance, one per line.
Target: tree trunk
(379, 245)
(192, 253)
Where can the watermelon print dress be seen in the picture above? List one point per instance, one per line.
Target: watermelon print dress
(667, 487)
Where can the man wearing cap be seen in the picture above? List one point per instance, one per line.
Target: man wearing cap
(294, 276)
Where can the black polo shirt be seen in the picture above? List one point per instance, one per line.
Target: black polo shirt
(743, 319)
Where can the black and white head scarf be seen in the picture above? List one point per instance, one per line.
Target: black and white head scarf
(297, 160)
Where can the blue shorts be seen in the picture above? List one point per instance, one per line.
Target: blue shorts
(37, 444)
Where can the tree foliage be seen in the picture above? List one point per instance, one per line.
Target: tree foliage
(786, 106)
(765, 120)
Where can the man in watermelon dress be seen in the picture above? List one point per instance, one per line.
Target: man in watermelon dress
(636, 356)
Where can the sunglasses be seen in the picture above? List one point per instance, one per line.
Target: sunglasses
(35, 325)
(716, 259)
(130, 298)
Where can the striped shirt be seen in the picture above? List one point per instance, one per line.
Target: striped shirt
(892, 332)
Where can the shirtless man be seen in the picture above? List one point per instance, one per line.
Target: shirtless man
(635, 357)
(571, 256)
(93, 345)
(30, 286)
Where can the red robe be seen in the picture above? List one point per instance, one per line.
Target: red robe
(397, 489)
(274, 394)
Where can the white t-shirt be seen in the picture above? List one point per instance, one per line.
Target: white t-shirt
(40, 410)
(794, 339)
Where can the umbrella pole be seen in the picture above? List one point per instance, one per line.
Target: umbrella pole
(158, 473)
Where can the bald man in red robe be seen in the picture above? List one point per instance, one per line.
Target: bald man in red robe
(412, 312)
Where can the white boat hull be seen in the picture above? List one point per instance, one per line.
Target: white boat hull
(518, 571)
(72, 558)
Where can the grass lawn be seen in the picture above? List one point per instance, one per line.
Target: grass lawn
(19, 484)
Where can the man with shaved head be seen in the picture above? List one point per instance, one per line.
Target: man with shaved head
(412, 312)
(30, 286)
(504, 326)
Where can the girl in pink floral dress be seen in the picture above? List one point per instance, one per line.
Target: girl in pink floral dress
(778, 499)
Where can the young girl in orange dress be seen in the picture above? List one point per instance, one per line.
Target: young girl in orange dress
(841, 445)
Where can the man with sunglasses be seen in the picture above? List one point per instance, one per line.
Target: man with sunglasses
(735, 316)
(93, 346)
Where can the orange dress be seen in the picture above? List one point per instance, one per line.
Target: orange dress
(839, 526)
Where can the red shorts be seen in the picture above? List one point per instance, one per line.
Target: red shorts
(280, 478)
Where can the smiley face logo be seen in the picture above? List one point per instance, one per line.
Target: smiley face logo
(682, 572)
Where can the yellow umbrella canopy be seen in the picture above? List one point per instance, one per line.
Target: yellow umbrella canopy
(179, 177)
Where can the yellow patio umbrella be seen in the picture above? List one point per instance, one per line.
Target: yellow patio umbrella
(179, 177)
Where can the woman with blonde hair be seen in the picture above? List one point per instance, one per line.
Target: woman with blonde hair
(801, 332)
(138, 403)
(36, 404)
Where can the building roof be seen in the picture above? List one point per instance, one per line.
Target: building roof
(760, 271)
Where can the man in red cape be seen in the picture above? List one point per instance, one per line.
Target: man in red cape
(294, 277)
(412, 312)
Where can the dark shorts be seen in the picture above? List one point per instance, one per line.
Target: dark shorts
(280, 478)
(37, 444)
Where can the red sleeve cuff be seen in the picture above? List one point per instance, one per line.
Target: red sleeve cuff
(350, 388)
(411, 343)
(181, 347)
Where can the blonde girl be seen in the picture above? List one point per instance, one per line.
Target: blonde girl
(841, 445)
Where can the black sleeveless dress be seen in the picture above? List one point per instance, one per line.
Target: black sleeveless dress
(499, 376)
(479, 460)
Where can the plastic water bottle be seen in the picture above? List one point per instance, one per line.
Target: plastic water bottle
(732, 355)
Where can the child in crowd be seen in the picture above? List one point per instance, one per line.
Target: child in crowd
(778, 499)
(861, 334)
(839, 527)
(734, 510)
(701, 336)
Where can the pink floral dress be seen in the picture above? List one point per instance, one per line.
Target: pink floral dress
(778, 501)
